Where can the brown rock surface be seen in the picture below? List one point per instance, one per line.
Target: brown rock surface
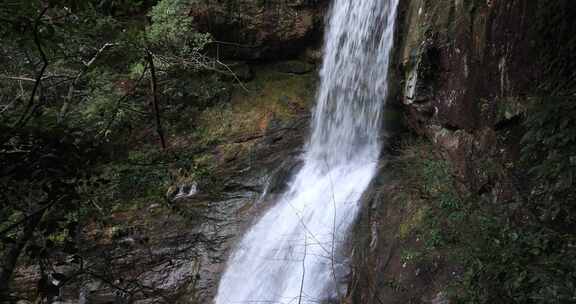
(254, 29)
(469, 71)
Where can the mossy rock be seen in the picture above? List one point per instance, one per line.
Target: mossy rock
(272, 95)
(294, 67)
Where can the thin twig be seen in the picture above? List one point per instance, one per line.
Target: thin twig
(303, 269)
(233, 75)
(333, 197)
(29, 79)
(19, 78)
(232, 43)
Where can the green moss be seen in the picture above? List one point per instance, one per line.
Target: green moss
(413, 223)
(270, 96)
(411, 256)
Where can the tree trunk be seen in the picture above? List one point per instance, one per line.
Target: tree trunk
(12, 253)
(154, 89)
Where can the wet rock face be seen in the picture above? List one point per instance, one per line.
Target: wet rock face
(174, 252)
(473, 59)
(261, 29)
(471, 70)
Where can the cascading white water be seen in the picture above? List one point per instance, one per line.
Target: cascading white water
(291, 254)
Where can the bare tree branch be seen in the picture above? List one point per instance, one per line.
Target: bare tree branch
(29, 111)
(20, 78)
(87, 65)
(11, 255)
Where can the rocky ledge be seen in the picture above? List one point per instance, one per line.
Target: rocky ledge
(256, 29)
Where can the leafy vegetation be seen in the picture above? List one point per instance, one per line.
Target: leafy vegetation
(549, 146)
(89, 88)
(107, 110)
(518, 252)
(86, 90)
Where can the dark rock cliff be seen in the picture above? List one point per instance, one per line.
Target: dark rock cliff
(254, 29)
(469, 73)
(472, 68)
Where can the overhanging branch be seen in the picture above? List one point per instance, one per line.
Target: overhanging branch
(27, 114)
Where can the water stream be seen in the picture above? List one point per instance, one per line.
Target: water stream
(292, 254)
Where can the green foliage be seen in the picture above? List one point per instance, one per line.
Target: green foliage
(45, 171)
(110, 110)
(431, 177)
(121, 8)
(549, 149)
(523, 252)
(555, 47)
(411, 256)
(86, 150)
(134, 185)
(513, 264)
(172, 29)
(509, 256)
(136, 70)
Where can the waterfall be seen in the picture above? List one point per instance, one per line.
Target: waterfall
(292, 253)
